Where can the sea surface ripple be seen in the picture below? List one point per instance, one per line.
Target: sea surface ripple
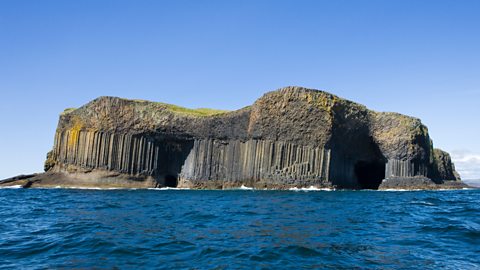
(241, 229)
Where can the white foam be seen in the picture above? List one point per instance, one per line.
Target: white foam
(400, 189)
(452, 189)
(168, 188)
(11, 187)
(439, 189)
(94, 188)
(311, 188)
(108, 188)
(73, 187)
(246, 188)
(422, 203)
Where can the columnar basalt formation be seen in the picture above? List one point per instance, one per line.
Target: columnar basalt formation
(292, 137)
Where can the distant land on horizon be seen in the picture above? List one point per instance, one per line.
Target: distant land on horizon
(472, 182)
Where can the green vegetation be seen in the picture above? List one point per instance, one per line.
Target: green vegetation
(68, 110)
(185, 111)
(194, 112)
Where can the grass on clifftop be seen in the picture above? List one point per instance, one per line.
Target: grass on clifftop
(68, 110)
(186, 111)
(194, 112)
(172, 108)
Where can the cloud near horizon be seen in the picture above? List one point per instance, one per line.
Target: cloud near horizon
(467, 164)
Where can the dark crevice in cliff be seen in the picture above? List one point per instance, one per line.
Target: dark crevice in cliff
(370, 174)
(170, 181)
(172, 156)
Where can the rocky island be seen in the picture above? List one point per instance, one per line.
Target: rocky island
(290, 138)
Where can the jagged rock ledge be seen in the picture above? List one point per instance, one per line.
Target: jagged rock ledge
(292, 137)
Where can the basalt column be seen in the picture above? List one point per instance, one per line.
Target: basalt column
(222, 164)
(403, 169)
(131, 154)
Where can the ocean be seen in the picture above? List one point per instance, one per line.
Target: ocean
(238, 229)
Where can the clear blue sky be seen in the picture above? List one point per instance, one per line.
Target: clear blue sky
(420, 58)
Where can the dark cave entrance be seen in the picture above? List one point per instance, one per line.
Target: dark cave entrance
(171, 154)
(170, 181)
(369, 174)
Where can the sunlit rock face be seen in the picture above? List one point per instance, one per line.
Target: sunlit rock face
(292, 137)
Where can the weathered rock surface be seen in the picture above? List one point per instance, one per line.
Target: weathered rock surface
(292, 137)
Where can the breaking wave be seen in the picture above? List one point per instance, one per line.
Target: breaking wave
(11, 187)
(311, 188)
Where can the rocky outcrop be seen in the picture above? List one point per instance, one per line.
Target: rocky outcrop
(292, 137)
(444, 168)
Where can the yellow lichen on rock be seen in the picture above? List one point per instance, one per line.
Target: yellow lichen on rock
(77, 126)
(323, 100)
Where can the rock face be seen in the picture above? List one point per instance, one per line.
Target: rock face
(292, 137)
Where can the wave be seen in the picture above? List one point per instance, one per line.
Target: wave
(11, 187)
(311, 188)
(89, 188)
(422, 203)
(114, 188)
(85, 188)
(106, 188)
(242, 187)
(168, 188)
(401, 190)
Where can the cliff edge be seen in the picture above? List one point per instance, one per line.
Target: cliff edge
(292, 137)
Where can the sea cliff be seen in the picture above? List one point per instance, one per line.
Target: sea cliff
(290, 138)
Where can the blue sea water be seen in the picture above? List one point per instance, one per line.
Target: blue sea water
(166, 229)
